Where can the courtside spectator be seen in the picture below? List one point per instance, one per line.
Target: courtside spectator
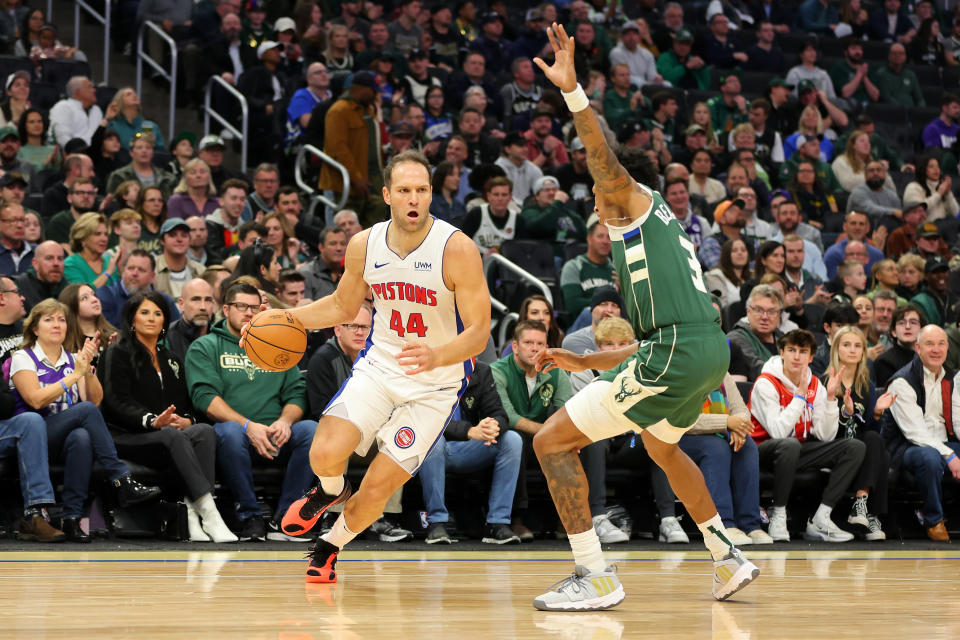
(44, 279)
(197, 307)
(323, 272)
(905, 327)
(753, 340)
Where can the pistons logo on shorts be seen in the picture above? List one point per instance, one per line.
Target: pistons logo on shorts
(404, 438)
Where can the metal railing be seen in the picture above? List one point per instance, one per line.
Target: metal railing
(315, 195)
(208, 112)
(496, 258)
(171, 76)
(102, 19)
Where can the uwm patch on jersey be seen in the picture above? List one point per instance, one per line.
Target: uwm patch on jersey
(411, 301)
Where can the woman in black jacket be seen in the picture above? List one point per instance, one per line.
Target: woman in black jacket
(147, 404)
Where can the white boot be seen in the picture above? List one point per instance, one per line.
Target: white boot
(213, 525)
(197, 534)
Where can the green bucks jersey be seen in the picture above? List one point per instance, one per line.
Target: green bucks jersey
(660, 276)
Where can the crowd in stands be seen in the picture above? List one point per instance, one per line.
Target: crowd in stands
(809, 149)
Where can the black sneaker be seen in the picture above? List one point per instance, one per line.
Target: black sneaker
(387, 531)
(500, 534)
(253, 529)
(437, 532)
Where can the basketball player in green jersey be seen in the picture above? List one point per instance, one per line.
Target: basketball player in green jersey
(655, 387)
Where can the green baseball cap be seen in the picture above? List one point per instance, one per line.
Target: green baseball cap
(683, 35)
(780, 82)
(805, 85)
(9, 130)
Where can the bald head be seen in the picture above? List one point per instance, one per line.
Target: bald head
(48, 262)
(856, 250)
(196, 303)
(932, 347)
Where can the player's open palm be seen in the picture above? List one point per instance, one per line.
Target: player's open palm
(561, 72)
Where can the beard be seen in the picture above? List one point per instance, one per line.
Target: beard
(875, 183)
(200, 320)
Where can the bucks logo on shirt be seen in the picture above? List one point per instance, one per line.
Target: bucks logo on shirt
(660, 276)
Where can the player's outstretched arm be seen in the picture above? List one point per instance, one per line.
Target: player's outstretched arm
(568, 361)
(612, 181)
(463, 273)
(344, 303)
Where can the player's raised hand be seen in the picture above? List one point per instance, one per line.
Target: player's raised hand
(561, 72)
(549, 359)
(417, 355)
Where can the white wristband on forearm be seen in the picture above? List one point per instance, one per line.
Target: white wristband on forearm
(577, 99)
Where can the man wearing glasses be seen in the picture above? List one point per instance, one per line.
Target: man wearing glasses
(262, 200)
(80, 199)
(329, 368)
(16, 254)
(905, 328)
(753, 340)
(256, 414)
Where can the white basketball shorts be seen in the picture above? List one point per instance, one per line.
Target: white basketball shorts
(405, 417)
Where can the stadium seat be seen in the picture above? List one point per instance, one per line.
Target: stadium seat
(535, 256)
(43, 95)
(9, 64)
(574, 249)
(928, 75)
(755, 82)
(104, 96)
(58, 72)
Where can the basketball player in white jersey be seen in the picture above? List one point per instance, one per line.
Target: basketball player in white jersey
(431, 316)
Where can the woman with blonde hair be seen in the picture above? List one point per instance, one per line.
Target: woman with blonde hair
(702, 117)
(85, 319)
(810, 125)
(129, 122)
(860, 411)
(850, 166)
(195, 195)
(60, 386)
(283, 241)
(89, 237)
(337, 56)
(123, 197)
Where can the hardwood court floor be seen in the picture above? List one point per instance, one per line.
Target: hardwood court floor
(389, 595)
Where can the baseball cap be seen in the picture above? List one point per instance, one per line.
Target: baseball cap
(928, 230)
(804, 139)
(909, 205)
(266, 45)
(721, 208)
(514, 138)
(806, 85)
(402, 128)
(16, 74)
(630, 25)
(365, 79)
(211, 141)
(541, 183)
(533, 15)
(726, 74)
(694, 128)
(184, 135)
(8, 130)
(936, 263)
(11, 177)
(779, 81)
(489, 16)
(577, 144)
(173, 223)
(606, 294)
(684, 35)
(629, 128)
(418, 54)
(284, 24)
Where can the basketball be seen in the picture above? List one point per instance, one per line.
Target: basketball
(275, 340)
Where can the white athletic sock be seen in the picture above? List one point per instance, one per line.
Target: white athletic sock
(332, 486)
(715, 537)
(823, 513)
(586, 550)
(340, 534)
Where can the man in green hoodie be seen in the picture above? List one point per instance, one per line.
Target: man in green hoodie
(529, 398)
(253, 411)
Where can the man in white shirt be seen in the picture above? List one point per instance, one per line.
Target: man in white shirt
(643, 66)
(920, 428)
(76, 116)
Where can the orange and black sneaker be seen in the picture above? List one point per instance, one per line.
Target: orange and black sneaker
(323, 563)
(304, 513)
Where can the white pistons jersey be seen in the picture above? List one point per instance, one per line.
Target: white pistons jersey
(411, 302)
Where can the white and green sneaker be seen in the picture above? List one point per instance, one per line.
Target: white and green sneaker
(732, 573)
(583, 591)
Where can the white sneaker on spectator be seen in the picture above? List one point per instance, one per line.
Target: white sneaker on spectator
(608, 533)
(858, 514)
(671, 531)
(876, 532)
(759, 536)
(737, 537)
(827, 531)
(778, 524)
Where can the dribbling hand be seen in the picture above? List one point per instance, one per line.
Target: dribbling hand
(550, 359)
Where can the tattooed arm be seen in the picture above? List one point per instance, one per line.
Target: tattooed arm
(616, 192)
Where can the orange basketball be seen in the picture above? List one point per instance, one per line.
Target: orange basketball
(275, 340)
